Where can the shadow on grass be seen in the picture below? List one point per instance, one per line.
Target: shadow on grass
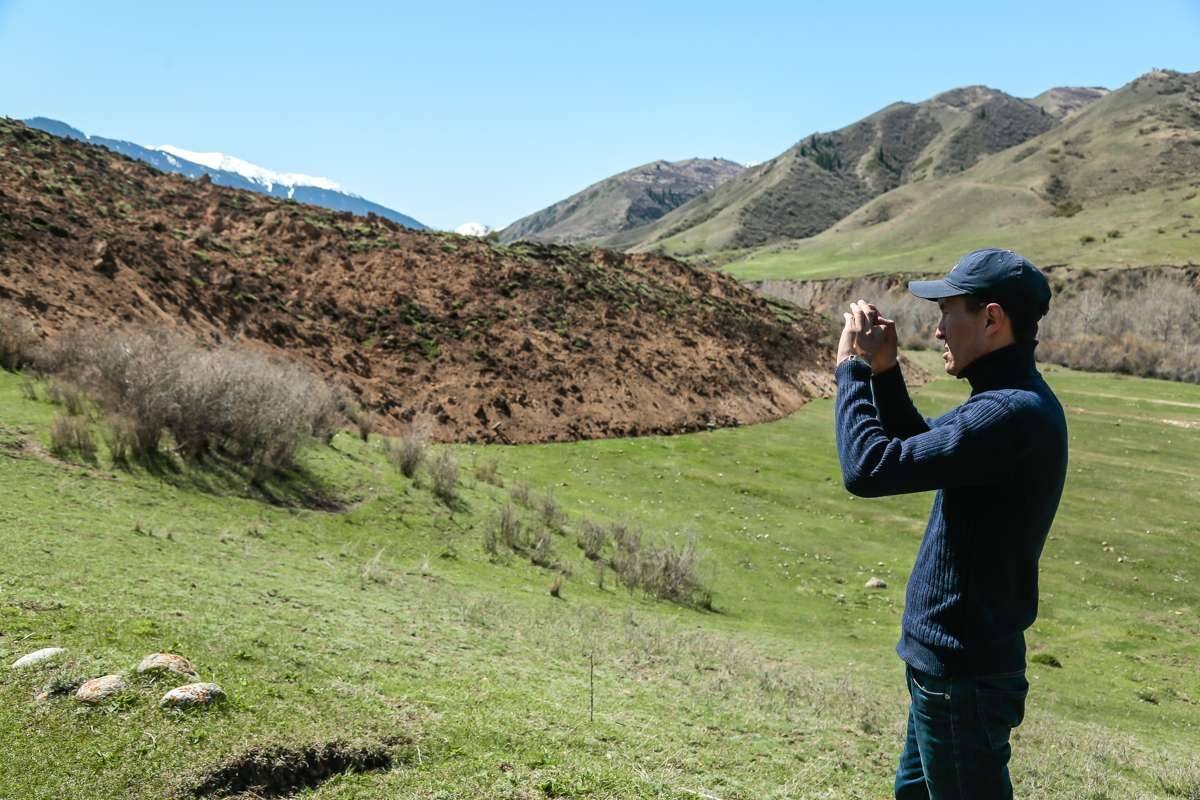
(293, 487)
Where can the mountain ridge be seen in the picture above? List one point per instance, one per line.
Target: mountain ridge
(826, 176)
(1113, 185)
(301, 188)
(622, 201)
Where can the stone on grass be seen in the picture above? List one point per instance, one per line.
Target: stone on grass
(876, 583)
(192, 694)
(166, 662)
(38, 657)
(97, 690)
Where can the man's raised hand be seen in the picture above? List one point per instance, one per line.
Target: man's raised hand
(868, 334)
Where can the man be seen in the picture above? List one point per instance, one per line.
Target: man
(998, 463)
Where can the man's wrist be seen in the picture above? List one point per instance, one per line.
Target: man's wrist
(884, 366)
(852, 358)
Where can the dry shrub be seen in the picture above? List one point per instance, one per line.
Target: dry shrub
(1178, 780)
(663, 571)
(228, 401)
(551, 513)
(592, 538)
(374, 571)
(541, 550)
(409, 451)
(443, 470)
(1145, 327)
(120, 436)
(364, 422)
(506, 531)
(522, 494)
(68, 395)
(488, 471)
(19, 339)
(1151, 330)
(71, 434)
(29, 389)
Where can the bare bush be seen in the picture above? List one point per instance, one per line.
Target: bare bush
(443, 470)
(19, 339)
(541, 550)
(592, 538)
(228, 401)
(363, 421)
(488, 471)
(522, 494)
(374, 570)
(505, 532)
(1138, 324)
(663, 571)
(71, 434)
(551, 513)
(409, 451)
(120, 436)
(71, 397)
(1149, 330)
(29, 389)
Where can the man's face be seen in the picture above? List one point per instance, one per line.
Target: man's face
(962, 333)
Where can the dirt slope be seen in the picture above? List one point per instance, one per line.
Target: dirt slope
(519, 344)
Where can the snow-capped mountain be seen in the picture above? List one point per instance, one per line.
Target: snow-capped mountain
(251, 172)
(227, 170)
(473, 229)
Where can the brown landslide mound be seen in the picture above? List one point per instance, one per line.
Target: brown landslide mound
(523, 343)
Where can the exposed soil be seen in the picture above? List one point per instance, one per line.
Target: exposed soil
(281, 771)
(522, 343)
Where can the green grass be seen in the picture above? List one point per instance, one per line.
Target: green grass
(1158, 226)
(387, 618)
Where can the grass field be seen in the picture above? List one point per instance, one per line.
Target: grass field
(385, 624)
(1156, 226)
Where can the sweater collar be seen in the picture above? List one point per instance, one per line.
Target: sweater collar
(1001, 368)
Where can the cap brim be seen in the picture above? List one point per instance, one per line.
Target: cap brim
(934, 290)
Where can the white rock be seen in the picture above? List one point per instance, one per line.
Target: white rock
(876, 583)
(38, 657)
(99, 689)
(166, 662)
(192, 694)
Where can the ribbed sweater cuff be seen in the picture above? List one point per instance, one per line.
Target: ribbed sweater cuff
(853, 369)
(889, 385)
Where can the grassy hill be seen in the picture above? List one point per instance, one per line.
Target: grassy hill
(826, 176)
(627, 200)
(1114, 185)
(383, 635)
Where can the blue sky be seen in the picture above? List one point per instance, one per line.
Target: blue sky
(491, 111)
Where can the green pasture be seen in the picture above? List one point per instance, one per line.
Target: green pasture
(1155, 226)
(384, 623)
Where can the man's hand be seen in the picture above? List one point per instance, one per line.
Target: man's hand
(869, 335)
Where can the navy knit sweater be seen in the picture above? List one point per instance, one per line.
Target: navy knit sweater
(998, 463)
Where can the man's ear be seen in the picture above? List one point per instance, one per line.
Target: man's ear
(996, 316)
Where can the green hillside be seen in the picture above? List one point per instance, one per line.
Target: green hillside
(384, 626)
(826, 176)
(1115, 185)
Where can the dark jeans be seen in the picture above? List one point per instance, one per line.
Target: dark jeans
(957, 745)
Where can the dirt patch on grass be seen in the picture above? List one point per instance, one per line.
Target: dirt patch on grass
(280, 771)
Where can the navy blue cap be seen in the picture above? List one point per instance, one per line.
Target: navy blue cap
(1000, 275)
